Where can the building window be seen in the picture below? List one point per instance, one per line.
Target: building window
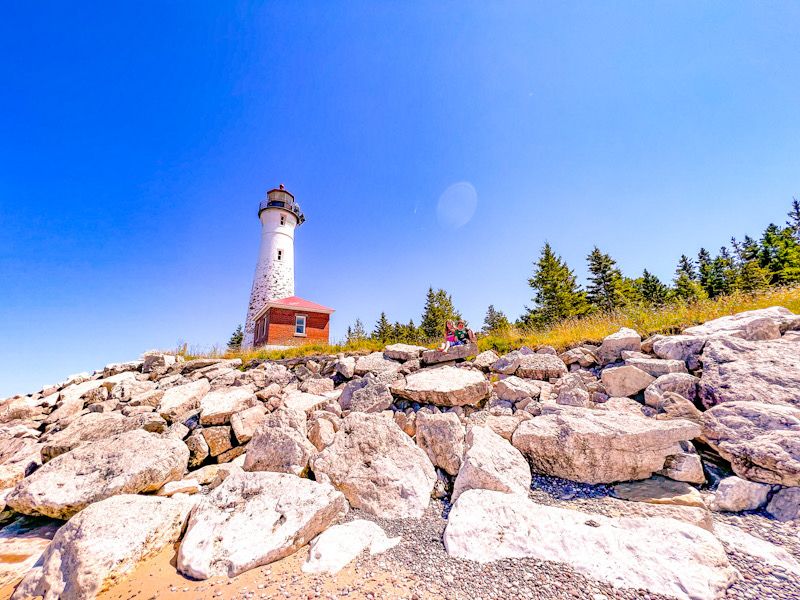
(280, 254)
(283, 219)
(300, 325)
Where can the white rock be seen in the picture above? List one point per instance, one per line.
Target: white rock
(184, 486)
(377, 467)
(663, 556)
(678, 383)
(181, 399)
(785, 504)
(611, 349)
(441, 436)
(679, 347)
(375, 363)
(217, 406)
(333, 549)
(304, 402)
(734, 494)
(444, 386)
(403, 352)
(540, 366)
(761, 324)
(104, 542)
(749, 544)
(656, 366)
(491, 463)
(253, 519)
(246, 422)
(625, 381)
(514, 389)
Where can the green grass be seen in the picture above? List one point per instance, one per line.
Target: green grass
(646, 320)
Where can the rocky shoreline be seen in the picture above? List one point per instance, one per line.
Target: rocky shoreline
(660, 468)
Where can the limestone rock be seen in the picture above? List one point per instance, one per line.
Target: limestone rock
(19, 456)
(658, 490)
(181, 399)
(375, 363)
(684, 465)
(625, 381)
(433, 357)
(403, 352)
(337, 546)
(22, 543)
(321, 433)
(679, 383)
(570, 390)
(749, 544)
(734, 494)
(377, 467)
(583, 357)
(280, 444)
(368, 394)
(97, 426)
(346, 367)
(154, 359)
(128, 463)
(657, 367)
(540, 366)
(442, 438)
(735, 369)
(761, 441)
(304, 402)
(514, 389)
(663, 556)
(104, 542)
(218, 439)
(611, 349)
(762, 324)
(253, 519)
(444, 386)
(245, 423)
(485, 360)
(198, 448)
(491, 463)
(317, 385)
(593, 446)
(675, 406)
(217, 406)
(785, 504)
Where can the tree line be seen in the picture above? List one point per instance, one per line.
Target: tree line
(748, 265)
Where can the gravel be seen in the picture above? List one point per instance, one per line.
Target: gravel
(439, 576)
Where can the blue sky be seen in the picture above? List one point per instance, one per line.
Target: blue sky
(137, 139)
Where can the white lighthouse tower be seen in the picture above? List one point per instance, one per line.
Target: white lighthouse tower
(279, 214)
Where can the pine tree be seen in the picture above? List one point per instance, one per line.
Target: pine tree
(495, 321)
(780, 255)
(438, 310)
(557, 295)
(686, 287)
(356, 333)
(604, 291)
(383, 330)
(704, 269)
(794, 219)
(651, 290)
(752, 277)
(235, 341)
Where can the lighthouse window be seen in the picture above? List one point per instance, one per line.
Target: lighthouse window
(280, 254)
(300, 325)
(283, 219)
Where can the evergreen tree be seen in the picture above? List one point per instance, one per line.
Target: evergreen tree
(235, 341)
(605, 290)
(557, 295)
(752, 277)
(495, 321)
(780, 255)
(794, 219)
(438, 310)
(356, 333)
(651, 290)
(704, 274)
(687, 288)
(383, 330)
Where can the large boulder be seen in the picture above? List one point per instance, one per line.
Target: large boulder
(444, 386)
(593, 446)
(625, 381)
(735, 369)
(761, 441)
(253, 519)
(335, 547)
(104, 542)
(663, 556)
(491, 463)
(97, 426)
(678, 383)
(441, 436)
(613, 345)
(128, 463)
(368, 394)
(179, 400)
(20, 455)
(375, 363)
(734, 494)
(280, 444)
(679, 347)
(514, 389)
(785, 504)
(377, 467)
(217, 407)
(403, 352)
(433, 357)
(540, 366)
(761, 324)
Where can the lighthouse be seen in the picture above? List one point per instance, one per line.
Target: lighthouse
(275, 316)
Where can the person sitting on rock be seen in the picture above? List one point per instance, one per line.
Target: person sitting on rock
(449, 337)
(462, 334)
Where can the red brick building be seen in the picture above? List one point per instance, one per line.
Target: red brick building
(292, 321)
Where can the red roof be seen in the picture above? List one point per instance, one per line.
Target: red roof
(297, 303)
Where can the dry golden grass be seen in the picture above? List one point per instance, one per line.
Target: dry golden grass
(646, 320)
